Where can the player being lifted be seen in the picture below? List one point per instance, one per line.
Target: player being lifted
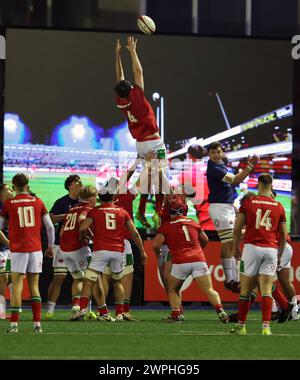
(141, 123)
(26, 214)
(265, 220)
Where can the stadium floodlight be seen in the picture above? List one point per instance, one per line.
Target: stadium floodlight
(78, 131)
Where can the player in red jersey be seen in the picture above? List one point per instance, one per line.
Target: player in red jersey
(110, 224)
(264, 219)
(289, 305)
(142, 125)
(183, 237)
(123, 288)
(26, 215)
(76, 252)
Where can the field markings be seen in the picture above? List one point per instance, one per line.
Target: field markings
(177, 333)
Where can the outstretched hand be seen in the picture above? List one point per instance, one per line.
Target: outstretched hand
(118, 46)
(131, 44)
(254, 160)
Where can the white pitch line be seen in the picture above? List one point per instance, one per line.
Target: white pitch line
(178, 333)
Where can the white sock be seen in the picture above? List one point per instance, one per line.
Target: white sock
(294, 301)
(13, 324)
(2, 304)
(89, 306)
(234, 269)
(36, 324)
(50, 306)
(274, 306)
(227, 268)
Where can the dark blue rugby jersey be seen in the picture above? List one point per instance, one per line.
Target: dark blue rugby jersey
(62, 206)
(219, 191)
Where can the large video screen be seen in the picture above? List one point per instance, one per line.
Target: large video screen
(61, 116)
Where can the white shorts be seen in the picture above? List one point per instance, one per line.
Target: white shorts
(258, 260)
(128, 267)
(223, 215)
(76, 261)
(157, 145)
(4, 256)
(22, 262)
(286, 258)
(196, 269)
(58, 261)
(102, 259)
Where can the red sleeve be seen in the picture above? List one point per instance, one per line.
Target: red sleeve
(196, 225)
(126, 215)
(282, 216)
(91, 214)
(162, 229)
(44, 210)
(244, 206)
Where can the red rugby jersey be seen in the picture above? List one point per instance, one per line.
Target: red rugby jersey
(70, 238)
(25, 214)
(181, 236)
(109, 227)
(263, 217)
(139, 113)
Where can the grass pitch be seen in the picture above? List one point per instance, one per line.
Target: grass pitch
(201, 336)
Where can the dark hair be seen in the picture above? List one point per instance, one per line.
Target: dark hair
(106, 197)
(197, 151)
(123, 88)
(72, 178)
(214, 145)
(20, 180)
(265, 179)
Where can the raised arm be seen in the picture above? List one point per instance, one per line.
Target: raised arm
(119, 67)
(136, 64)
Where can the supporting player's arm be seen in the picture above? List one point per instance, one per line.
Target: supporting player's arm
(57, 218)
(238, 178)
(136, 64)
(127, 175)
(84, 228)
(203, 239)
(119, 67)
(157, 243)
(50, 234)
(237, 233)
(137, 239)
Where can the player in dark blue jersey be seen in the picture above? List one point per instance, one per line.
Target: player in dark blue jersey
(222, 193)
(57, 213)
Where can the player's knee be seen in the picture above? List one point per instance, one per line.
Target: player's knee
(91, 275)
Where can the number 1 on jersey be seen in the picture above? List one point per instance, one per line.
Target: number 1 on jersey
(186, 233)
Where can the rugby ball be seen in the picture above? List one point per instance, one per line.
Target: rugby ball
(146, 24)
